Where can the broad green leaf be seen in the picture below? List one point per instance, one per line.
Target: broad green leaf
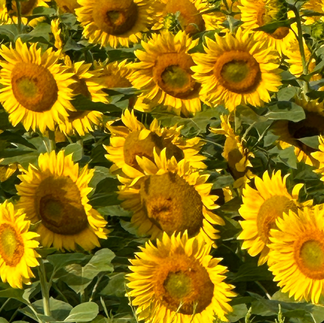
(239, 311)
(288, 157)
(310, 141)
(287, 93)
(84, 312)
(74, 149)
(251, 272)
(13, 293)
(61, 260)
(2, 320)
(116, 286)
(286, 111)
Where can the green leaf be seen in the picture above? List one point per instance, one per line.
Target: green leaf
(13, 293)
(286, 111)
(250, 272)
(287, 93)
(16, 138)
(84, 312)
(74, 149)
(116, 286)
(61, 260)
(78, 277)
(310, 141)
(288, 157)
(272, 27)
(239, 311)
(2, 320)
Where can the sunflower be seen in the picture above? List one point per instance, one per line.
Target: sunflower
(115, 74)
(297, 253)
(169, 196)
(186, 14)
(289, 132)
(36, 90)
(258, 13)
(313, 5)
(55, 193)
(134, 139)
(67, 5)
(260, 209)
(178, 281)
(164, 75)
(89, 84)
(111, 22)
(17, 246)
(236, 69)
(234, 152)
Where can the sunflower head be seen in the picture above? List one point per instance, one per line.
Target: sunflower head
(261, 208)
(168, 196)
(35, 87)
(182, 282)
(297, 253)
(67, 5)
(55, 193)
(111, 22)
(165, 76)
(236, 69)
(17, 246)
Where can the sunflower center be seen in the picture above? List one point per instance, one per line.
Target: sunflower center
(115, 17)
(178, 285)
(34, 87)
(238, 71)
(58, 205)
(133, 147)
(182, 284)
(190, 18)
(173, 74)
(172, 204)
(11, 245)
(309, 255)
(271, 209)
(280, 33)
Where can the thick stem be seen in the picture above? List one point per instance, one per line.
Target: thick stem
(19, 16)
(301, 49)
(45, 288)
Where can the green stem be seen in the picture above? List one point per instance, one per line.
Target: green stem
(19, 16)
(301, 49)
(52, 143)
(44, 288)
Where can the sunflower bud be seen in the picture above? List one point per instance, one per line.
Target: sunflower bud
(172, 23)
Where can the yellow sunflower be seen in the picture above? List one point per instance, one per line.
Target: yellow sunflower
(289, 132)
(189, 16)
(111, 22)
(178, 281)
(67, 5)
(164, 75)
(258, 13)
(313, 5)
(169, 196)
(260, 209)
(89, 84)
(115, 74)
(297, 253)
(236, 69)
(134, 139)
(234, 152)
(36, 90)
(55, 193)
(17, 246)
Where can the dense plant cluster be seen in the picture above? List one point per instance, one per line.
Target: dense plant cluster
(161, 161)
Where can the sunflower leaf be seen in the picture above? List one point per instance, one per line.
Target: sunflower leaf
(84, 312)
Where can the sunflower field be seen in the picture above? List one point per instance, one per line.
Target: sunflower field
(161, 161)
